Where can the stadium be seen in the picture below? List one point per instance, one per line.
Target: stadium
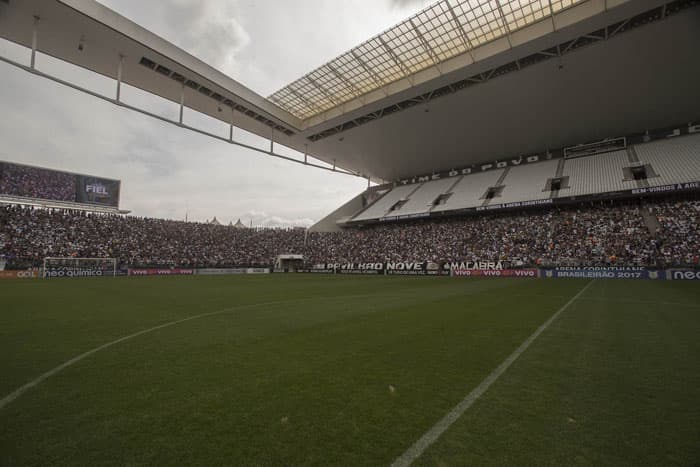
(516, 285)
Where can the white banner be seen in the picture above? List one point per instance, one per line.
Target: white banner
(223, 271)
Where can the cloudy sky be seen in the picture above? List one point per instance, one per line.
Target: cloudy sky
(166, 171)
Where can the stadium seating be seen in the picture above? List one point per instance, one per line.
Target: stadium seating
(380, 207)
(597, 174)
(468, 191)
(421, 200)
(675, 160)
(527, 182)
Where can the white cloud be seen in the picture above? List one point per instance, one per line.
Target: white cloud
(208, 29)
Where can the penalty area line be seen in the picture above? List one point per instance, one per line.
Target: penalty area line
(432, 435)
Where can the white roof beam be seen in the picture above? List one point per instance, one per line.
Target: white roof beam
(427, 46)
(462, 33)
(396, 59)
(377, 80)
(505, 23)
(306, 102)
(322, 90)
(344, 80)
(551, 16)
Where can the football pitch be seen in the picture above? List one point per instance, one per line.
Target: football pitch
(333, 370)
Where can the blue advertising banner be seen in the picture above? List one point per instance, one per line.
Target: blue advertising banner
(604, 273)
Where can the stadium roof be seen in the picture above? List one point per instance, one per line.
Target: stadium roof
(446, 29)
(460, 83)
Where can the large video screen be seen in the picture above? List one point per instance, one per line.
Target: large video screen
(39, 183)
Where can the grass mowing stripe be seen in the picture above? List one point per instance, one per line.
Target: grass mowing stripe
(24, 388)
(415, 451)
(21, 390)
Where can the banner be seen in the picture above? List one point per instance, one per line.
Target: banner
(27, 274)
(224, 271)
(257, 271)
(161, 272)
(415, 268)
(189, 272)
(497, 269)
(604, 273)
(370, 272)
(530, 273)
(424, 272)
(667, 188)
(70, 271)
(403, 268)
(477, 265)
(348, 268)
(515, 204)
(683, 275)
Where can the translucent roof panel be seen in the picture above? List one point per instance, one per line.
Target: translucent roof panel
(444, 30)
(406, 48)
(361, 78)
(520, 13)
(440, 31)
(377, 58)
(481, 20)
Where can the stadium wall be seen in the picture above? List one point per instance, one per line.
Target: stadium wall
(499, 270)
(406, 268)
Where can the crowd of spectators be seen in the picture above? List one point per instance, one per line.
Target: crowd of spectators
(35, 182)
(595, 234)
(678, 223)
(29, 235)
(601, 234)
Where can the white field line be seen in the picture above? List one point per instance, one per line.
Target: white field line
(415, 451)
(21, 390)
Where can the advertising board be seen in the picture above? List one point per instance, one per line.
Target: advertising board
(531, 273)
(75, 272)
(161, 272)
(683, 274)
(604, 273)
(224, 271)
(26, 274)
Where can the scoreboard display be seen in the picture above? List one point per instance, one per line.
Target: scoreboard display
(25, 181)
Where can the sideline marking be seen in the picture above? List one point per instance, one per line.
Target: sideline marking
(21, 390)
(415, 451)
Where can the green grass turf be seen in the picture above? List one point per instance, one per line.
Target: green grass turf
(297, 371)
